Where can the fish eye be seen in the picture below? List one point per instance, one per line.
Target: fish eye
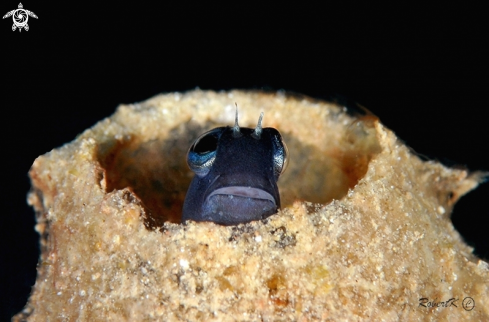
(207, 142)
(202, 152)
(280, 155)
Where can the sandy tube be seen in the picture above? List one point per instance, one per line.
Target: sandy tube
(364, 232)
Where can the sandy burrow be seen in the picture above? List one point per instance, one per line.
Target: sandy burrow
(364, 233)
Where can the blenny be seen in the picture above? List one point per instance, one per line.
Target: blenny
(236, 172)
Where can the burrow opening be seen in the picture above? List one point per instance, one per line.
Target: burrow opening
(156, 171)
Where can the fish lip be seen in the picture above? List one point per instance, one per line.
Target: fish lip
(243, 191)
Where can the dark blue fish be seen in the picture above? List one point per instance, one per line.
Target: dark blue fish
(236, 174)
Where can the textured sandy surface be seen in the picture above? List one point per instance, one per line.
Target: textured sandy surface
(363, 235)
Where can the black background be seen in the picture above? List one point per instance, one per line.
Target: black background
(422, 70)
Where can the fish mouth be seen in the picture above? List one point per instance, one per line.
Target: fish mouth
(238, 204)
(249, 192)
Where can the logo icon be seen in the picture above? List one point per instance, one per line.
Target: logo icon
(20, 17)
